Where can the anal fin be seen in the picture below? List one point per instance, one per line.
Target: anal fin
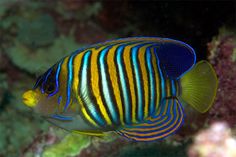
(167, 122)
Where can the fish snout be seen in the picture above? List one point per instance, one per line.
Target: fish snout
(30, 98)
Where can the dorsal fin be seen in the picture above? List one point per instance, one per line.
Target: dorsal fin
(167, 122)
(175, 57)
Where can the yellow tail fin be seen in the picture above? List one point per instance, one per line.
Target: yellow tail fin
(199, 86)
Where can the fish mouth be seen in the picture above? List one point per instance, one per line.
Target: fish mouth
(30, 99)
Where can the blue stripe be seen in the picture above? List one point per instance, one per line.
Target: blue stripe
(59, 100)
(169, 116)
(37, 82)
(161, 77)
(138, 81)
(57, 79)
(69, 81)
(160, 115)
(105, 87)
(152, 82)
(45, 80)
(175, 110)
(160, 134)
(123, 83)
(84, 90)
(173, 88)
(63, 118)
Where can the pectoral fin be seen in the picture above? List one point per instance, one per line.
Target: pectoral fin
(71, 122)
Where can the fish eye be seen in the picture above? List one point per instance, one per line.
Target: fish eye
(49, 88)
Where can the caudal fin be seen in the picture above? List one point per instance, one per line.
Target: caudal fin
(199, 86)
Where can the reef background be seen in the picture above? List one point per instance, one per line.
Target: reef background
(35, 34)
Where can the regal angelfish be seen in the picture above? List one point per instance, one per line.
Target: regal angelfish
(133, 86)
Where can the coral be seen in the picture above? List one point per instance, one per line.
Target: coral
(71, 145)
(60, 143)
(234, 55)
(216, 141)
(81, 10)
(222, 49)
(41, 58)
(42, 140)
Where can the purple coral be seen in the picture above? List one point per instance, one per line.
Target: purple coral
(217, 141)
(222, 50)
(39, 142)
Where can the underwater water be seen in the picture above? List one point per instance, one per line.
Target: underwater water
(36, 34)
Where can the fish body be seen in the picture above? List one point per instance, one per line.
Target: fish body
(131, 86)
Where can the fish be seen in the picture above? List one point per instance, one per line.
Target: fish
(136, 87)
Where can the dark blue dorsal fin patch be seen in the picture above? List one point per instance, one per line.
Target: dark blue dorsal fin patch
(169, 120)
(175, 57)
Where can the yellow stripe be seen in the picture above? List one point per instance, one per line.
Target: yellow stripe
(157, 137)
(76, 66)
(88, 133)
(147, 124)
(114, 80)
(142, 61)
(76, 69)
(168, 133)
(85, 113)
(95, 83)
(167, 86)
(75, 85)
(128, 66)
(160, 131)
(63, 82)
(157, 78)
(166, 106)
(153, 124)
(181, 119)
(160, 116)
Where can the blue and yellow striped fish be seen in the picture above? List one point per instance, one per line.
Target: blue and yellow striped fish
(132, 86)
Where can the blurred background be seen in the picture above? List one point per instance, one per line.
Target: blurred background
(35, 34)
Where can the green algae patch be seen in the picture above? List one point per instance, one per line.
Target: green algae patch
(40, 59)
(36, 31)
(71, 145)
